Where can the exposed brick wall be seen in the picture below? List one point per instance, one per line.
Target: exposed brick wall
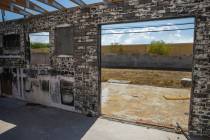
(83, 65)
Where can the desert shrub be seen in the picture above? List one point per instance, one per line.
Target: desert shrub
(39, 45)
(158, 47)
(116, 48)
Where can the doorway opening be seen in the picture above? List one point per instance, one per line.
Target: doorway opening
(146, 71)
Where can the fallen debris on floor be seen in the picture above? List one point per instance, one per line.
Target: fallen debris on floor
(119, 81)
(186, 82)
(180, 129)
(168, 97)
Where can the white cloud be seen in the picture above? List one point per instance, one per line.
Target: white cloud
(146, 37)
(42, 37)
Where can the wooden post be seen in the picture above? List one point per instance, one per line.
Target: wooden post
(3, 15)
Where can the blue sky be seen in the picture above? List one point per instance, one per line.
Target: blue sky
(42, 37)
(178, 36)
(65, 3)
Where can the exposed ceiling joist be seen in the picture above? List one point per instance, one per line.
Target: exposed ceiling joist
(112, 1)
(30, 5)
(3, 15)
(18, 6)
(79, 2)
(52, 3)
(8, 6)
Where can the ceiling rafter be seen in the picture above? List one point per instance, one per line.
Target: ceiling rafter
(30, 5)
(81, 3)
(9, 6)
(52, 3)
(18, 6)
(3, 15)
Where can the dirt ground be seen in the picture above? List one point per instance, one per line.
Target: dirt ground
(160, 78)
(145, 104)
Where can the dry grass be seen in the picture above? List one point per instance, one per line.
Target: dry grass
(175, 49)
(158, 78)
(40, 50)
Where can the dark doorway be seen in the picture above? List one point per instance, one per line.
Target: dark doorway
(6, 82)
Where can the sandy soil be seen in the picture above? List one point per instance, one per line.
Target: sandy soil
(158, 78)
(142, 103)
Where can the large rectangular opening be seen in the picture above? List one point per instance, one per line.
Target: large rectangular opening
(40, 48)
(146, 71)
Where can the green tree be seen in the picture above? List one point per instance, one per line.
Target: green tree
(159, 48)
(116, 48)
(39, 45)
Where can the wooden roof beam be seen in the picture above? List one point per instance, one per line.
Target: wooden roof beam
(9, 6)
(3, 15)
(6, 5)
(30, 5)
(19, 10)
(81, 3)
(52, 3)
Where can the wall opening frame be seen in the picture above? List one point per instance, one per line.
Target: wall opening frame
(39, 48)
(99, 51)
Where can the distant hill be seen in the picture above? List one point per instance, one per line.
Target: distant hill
(40, 47)
(179, 49)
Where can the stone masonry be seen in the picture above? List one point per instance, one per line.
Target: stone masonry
(82, 69)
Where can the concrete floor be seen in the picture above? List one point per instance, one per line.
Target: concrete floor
(19, 121)
(146, 104)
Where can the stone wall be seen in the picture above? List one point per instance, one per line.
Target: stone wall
(40, 58)
(82, 69)
(146, 61)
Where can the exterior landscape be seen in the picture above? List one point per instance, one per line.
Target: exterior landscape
(104, 69)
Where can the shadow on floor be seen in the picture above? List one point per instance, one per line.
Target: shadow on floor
(34, 122)
(39, 122)
(199, 138)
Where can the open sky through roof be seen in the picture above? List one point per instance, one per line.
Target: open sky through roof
(65, 3)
